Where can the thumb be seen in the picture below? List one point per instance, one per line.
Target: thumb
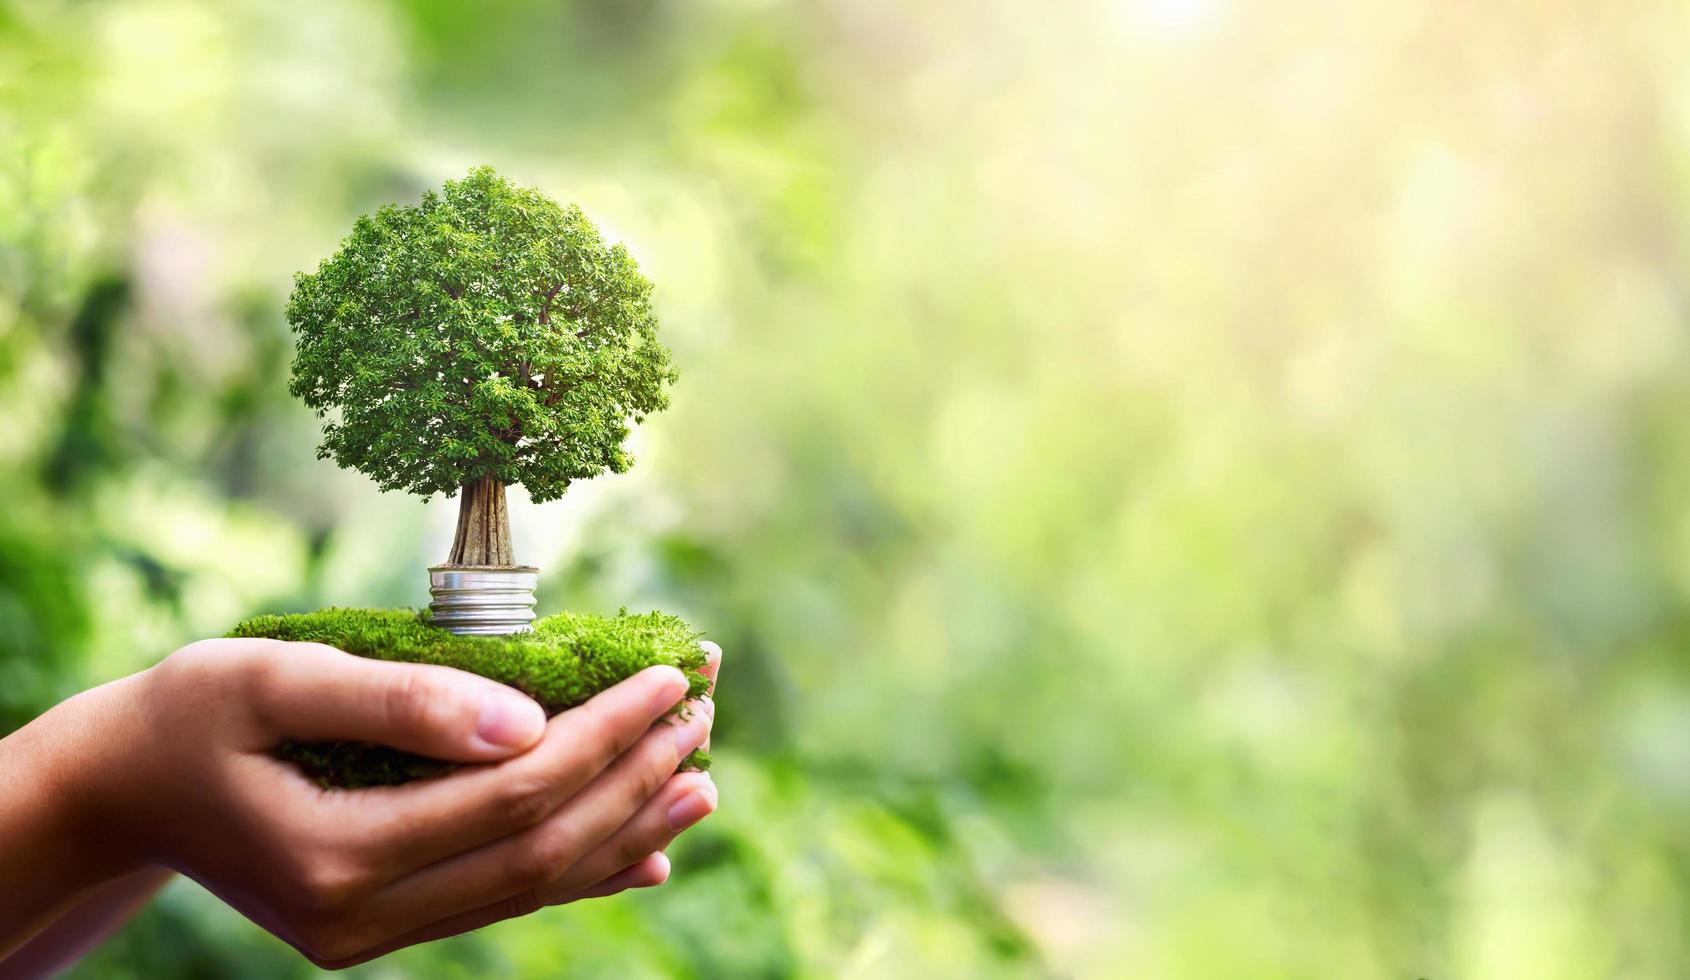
(314, 692)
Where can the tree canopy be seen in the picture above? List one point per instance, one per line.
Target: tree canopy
(486, 332)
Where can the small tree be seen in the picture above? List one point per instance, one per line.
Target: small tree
(484, 337)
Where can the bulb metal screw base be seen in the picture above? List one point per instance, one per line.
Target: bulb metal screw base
(482, 601)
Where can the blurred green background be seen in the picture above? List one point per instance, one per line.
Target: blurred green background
(1188, 488)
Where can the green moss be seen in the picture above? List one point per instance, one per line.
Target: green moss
(566, 660)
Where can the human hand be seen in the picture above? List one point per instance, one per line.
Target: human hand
(173, 766)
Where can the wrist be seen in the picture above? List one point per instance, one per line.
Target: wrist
(106, 764)
(57, 775)
(65, 769)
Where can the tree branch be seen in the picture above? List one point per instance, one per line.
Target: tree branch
(546, 303)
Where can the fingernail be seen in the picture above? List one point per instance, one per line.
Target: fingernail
(672, 688)
(510, 721)
(659, 873)
(692, 808)
(691, 732)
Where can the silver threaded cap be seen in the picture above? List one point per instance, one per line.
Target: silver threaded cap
(482, 601)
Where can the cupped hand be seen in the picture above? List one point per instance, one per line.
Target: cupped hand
(184, 776)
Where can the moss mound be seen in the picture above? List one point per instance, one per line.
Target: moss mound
(566, 660)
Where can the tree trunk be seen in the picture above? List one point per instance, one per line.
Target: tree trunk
(484, 526)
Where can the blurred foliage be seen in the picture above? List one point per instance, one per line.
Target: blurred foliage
(1187, 488)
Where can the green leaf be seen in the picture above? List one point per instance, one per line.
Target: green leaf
(489, 319)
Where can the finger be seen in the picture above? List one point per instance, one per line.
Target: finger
(452, 926)
(712, 667)
(417, 824)
(649, 872)
(690, 798)
(312, 691)
(528, 862)
(712, 663)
